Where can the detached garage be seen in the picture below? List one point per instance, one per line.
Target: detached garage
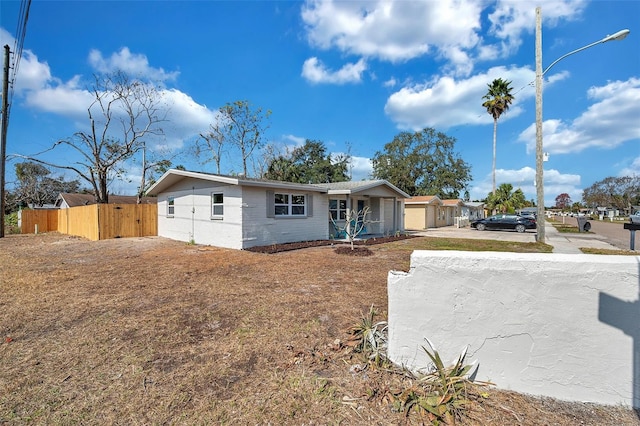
(423, 212)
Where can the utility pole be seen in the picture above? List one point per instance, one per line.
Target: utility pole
(3, 135)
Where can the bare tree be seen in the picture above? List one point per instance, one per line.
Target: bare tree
(268, 154)
(243, 127)
(151, 166)
(122, 114)
(210, 145)
(355, 223)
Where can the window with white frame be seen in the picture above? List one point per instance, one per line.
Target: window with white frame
(171, 206)
(338, 209)
(217, 205)
(290, 204)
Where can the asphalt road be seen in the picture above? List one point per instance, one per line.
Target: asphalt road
(611, 232)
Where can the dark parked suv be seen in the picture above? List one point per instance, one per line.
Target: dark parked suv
(506, 222)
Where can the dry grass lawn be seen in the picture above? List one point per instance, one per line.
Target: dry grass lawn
(152, 331)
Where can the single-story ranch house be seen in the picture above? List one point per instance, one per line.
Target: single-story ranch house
(238, 212)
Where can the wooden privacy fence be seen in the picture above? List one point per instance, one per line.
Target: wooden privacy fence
(94, 222)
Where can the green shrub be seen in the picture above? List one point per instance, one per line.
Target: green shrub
(11, 223)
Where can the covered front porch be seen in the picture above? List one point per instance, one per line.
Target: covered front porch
(365, 209)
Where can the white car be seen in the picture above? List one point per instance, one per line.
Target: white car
(634, 218)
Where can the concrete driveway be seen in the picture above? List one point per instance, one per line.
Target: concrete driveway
(452, 232)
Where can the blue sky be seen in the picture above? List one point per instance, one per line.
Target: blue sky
(350, 74)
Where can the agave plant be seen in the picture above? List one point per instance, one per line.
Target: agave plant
(370, 337)
(442, 394)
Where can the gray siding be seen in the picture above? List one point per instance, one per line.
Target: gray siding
(260, 230)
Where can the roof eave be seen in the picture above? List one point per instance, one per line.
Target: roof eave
(283, 185)
(165, 181)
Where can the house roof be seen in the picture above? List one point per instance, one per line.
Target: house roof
(356, 186)
(424, 199)
(452, 202)
(173, 176)
(475, 204)
(75, 200)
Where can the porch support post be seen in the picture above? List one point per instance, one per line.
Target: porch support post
(349, 210)
(395, 214)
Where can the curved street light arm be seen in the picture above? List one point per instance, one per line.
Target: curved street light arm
(540, 234)
(617, 36)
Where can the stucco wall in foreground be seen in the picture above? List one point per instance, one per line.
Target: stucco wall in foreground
(560, 325)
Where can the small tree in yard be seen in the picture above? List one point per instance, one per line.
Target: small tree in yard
(355, 222)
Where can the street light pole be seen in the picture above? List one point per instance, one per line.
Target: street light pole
(540, 219)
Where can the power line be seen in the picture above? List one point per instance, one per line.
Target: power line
(7, 96)
(21, 32)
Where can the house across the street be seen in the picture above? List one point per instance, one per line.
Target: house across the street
(429, 211)
(238, 212)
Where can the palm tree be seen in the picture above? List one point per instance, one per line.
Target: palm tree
(504, 200)
(498, 100)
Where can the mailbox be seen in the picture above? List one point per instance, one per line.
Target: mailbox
(583, 224)
(632, 227)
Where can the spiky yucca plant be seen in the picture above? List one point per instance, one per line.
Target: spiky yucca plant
(442, 394)
(369, 337)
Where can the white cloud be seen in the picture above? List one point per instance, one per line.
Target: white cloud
(297, 140)
(632, 170)
(6, 38)
(136, 65)
(398, 31)
(361, 168)
(513, 17)
(392, 31)
(316, 72)
(43, 92)
(611, 121)
(446, 102)
(32, 74)
(185, 117)
(390, 83)
(66, 99)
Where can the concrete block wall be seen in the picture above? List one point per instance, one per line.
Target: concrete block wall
(560, 325)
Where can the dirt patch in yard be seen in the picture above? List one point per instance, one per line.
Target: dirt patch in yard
(154, 331)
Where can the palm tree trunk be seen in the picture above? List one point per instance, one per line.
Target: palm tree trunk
(495, 136)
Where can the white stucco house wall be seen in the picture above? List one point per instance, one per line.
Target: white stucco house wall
(239, 213)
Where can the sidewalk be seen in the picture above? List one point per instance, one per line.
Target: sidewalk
(571, 243)
(560, 243)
